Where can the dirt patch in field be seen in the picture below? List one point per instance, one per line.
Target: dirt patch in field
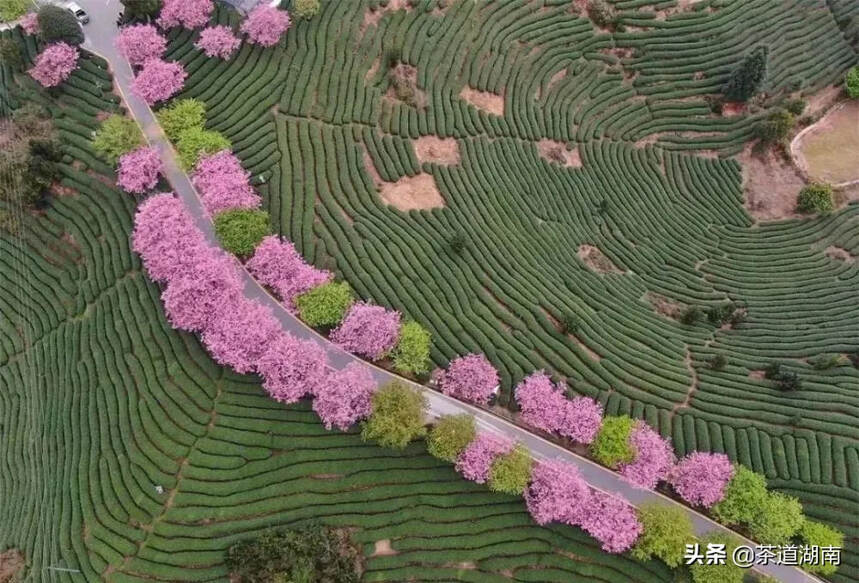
(12, 564)
(557, 153)
(372, 17)
(822, 100)
(374, 68)
(596, 259)
(383, 548)
(733, 108)
(839, 254)
(827, 150)
(758, 375)
(404, 86)
(770, 184)
(437, 150)
(665, 305)
(491, 103)
(417, 192)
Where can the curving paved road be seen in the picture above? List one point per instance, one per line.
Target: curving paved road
(100, 34)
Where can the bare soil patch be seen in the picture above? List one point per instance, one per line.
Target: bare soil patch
(383, 548)
(372, 17)
(374, 68)
(491, 103)
(758, 375)
(12, 564)
(404, 86)
(596, 259)
(437, 150)
(557, 153)
(371, 168)
(770, 184)
(417, 192)
(823, 100)
(665, 305)
(839, 254)
(827, 150)
(733, 108)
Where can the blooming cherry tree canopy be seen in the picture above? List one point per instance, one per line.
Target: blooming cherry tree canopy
(471, 378)
(140, 42)
(240, 334)
(265, 24)
(218, 41)
(55, 64)
(138, 170)
(475, 461)
(186, 13)
(292, 368)
(345, 396)
(30, 23)
(368, 330)
(612, 521)
(701, 478)
(158, 80)
(654, 457)
(543, 406)
(557, 493)
(277, 264)
(223, 184)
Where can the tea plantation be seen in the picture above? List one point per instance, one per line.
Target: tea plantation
(652, 186)
(101, 402)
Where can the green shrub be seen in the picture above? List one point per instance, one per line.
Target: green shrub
(305, 9)
(450, 435)
(569, 324)
(789, 381)
(815, 198)
(511, 472)
(58, 24)
(398, 416)
(180, 116)
(748, 76)
(308, 554)
(412, 353)
(795, 106)
(600, 13)
(140, 9)
(116, 136)
(691, 316)
(721, 314)
(241, 230)
(777, 520)
(718, 362)
(324, 305)
(851, 83)
(817, 534)
(611, 446)
(745, 495)
(716, 573)
(826, 361)
(10, 54)
(13, 9)
(196, 142)
(776, 127)
(666, 531)
(458, 242)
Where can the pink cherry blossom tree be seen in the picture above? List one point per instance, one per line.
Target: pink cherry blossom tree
(30, 23)
(470, 378)
(223, 184)
(292, 368)
(218, 41)
(138, 170)
(582, 419)
(194, 296)
(345, 396)
(140, 42)
(277, 264)
(557, 493)
(654, 457)
(543, 406)
(701, 478)
(265, 24)
(158, 80)
(187, 13)
(612, 521)
(475, 461)
(240, 334)
(368, 330)
(55, 64)
(165, 237)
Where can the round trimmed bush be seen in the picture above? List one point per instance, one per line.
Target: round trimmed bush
(324, 305)
(611, 446)
(450, 436)
(241, 230)
(305, 9)
(398, 416)
(59, 25)
(815, 198)
(851, 83)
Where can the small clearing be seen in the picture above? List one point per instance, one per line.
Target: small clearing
(826, 151)
(404, 86)
(771, 185)
(596, 260)
(839, 254)
(12, 564)
(557, 153)
(373, 16)
(491, 103)
(383, 548)
(444, 151)
(733, 108)
(665, 305)
(409, 193)
(758, 375)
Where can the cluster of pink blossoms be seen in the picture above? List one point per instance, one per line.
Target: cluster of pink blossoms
(187, 13)
(543, 406)
(55, 64)
(138, 170)
(30, 23)
(654, 457)
(166, 238)
(277, 264)
(194, 297)
(558, 493)
(345, 396)
(701, 478)
(158, 80)
(292, 368)
(223, 183)
(218, 41)
(475, 461)
(140, 42)
(265, 25)
(470, 378)
(367, 330)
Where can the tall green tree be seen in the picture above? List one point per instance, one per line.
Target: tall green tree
(398, 416)
(748, 77)
(58, 24)
(666, 532)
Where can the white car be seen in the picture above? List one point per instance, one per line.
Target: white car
(79, 12)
